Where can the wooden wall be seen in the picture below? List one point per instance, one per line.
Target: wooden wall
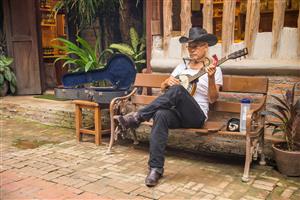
(161, 21)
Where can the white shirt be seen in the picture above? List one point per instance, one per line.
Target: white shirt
(201, 94)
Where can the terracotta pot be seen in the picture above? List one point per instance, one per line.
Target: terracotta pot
(4, 89)
(288, 162)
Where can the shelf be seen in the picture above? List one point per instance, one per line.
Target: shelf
(53, 56)
(42, 24)
(46, 9)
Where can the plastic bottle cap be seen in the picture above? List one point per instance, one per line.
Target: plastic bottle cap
(245, 100)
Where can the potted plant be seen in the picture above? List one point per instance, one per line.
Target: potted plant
(136, 50)
(287, 112)
(8, 79)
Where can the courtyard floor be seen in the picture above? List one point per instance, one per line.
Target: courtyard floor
(45, 162)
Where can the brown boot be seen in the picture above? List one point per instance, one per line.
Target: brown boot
(130, 120)
(153, 177)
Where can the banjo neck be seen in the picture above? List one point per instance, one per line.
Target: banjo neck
(202, 71)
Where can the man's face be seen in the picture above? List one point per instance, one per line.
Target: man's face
(197, 50)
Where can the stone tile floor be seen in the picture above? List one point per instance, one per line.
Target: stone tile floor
(44, 162)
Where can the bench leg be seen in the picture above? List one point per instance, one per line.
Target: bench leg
(112, 132)
(97, 118)
(78, 122)
(245, 177)
(262, 160)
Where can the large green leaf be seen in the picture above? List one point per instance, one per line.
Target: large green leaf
(12, 88)
(123, 48)
(13, 79)
(7, 75)
(87, 47)
(134, 37)
(1, 79)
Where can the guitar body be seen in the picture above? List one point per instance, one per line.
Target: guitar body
(185, 82)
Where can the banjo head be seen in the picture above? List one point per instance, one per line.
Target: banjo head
(184, 81)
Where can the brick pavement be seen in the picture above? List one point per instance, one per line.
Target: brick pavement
(71, 170)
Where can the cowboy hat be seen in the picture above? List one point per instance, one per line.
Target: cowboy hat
(199, 34)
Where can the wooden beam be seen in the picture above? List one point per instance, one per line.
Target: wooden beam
(185, 16)
(167, 22)
(149, 34)
(228, 25)
(156, 17)
(278, 20)
(208, 15)
(299, 34)
(252, 24)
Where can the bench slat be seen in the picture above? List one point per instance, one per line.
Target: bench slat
(149, 80)
(222, 106)
(245, 84)
(209, 126)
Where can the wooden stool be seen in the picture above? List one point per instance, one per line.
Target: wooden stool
(79, 104)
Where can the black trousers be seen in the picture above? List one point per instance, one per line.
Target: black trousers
(174, 109)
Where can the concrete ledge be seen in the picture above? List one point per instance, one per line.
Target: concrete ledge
(50, 112)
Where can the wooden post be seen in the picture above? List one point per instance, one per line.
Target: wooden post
(228, 25)
(185, 18)
(278, 20)
(78, 121)
(98, 128)
(149, 34)
(299, 34)
(208, 15)
(252, 24)
(167, 21)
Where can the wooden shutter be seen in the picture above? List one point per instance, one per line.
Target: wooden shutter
(23, 44)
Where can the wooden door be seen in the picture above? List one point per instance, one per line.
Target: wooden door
(21, 27)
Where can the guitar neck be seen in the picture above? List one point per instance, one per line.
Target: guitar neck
(202, 71)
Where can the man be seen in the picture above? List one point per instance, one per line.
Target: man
(176, 108)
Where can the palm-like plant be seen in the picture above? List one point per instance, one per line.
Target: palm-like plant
(136, 50)
(83, 57)
(287, 112)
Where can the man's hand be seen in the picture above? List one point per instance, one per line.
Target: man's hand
(211, 69)
(169, 82)
(172, 81)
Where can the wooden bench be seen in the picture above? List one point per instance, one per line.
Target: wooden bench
(252, 86)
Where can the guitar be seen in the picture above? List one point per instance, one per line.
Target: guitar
(189, 82)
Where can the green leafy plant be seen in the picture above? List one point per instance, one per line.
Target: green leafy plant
(287, 113)
(7, 74)
(136, 50)
(83, 57)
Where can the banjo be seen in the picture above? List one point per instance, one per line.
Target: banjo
(189, 82)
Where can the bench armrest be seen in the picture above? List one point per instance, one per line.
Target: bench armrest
(253, 116)
(116, 102)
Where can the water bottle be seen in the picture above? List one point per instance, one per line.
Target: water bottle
(245, 106)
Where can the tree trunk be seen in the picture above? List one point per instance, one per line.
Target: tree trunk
(130, 16)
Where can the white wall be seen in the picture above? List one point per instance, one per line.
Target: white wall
(261, 52)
